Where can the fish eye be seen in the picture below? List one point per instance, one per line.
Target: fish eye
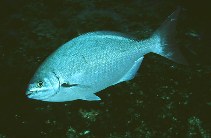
(39, 84)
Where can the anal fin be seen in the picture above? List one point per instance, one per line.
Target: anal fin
(90, 97)
(132, 72)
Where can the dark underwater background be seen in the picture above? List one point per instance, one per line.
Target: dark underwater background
(165, 99)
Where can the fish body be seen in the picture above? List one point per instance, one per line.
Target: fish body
(94, 61)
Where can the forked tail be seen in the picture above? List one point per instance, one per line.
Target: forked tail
(162, 39)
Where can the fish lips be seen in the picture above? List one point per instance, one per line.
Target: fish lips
(35, 95)
(30, 93)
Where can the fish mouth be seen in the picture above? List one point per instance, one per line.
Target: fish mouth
(29, 93)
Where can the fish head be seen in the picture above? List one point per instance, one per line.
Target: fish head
(43, 86)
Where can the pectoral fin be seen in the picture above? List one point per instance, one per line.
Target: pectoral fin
(68, 85)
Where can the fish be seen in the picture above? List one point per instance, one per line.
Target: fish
(94, 61)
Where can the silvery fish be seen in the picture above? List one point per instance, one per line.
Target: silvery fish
(94, 61)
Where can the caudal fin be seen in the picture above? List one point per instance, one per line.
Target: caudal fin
(163, 39)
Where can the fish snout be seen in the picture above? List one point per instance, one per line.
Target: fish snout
(30, 90)
(29, 93)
